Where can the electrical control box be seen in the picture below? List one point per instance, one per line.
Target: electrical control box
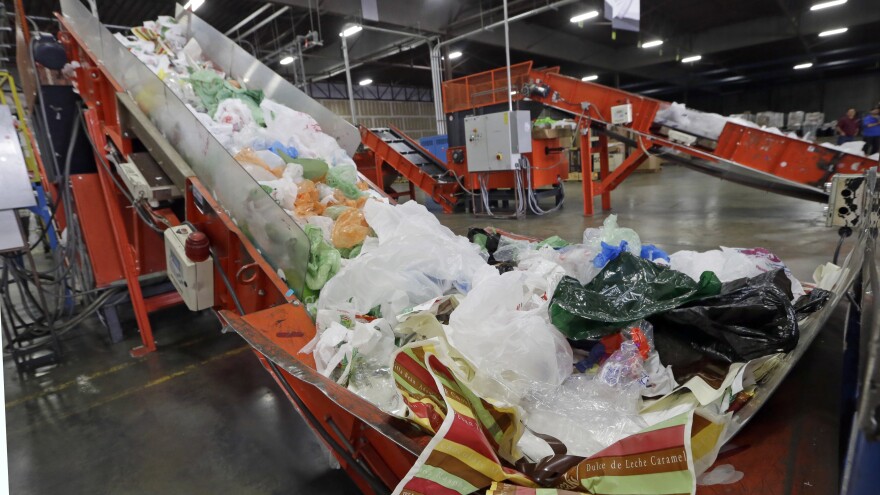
(622, 114)
(496, 141)
(194, 280)
(845, 200)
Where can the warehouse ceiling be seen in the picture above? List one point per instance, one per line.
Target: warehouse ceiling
(743, 43)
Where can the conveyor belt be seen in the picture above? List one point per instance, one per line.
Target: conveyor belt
(415, 163)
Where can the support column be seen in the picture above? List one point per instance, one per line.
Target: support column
(604, 170)
(587, 171)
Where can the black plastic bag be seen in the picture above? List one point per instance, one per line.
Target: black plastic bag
(750, 318)
(627, 290)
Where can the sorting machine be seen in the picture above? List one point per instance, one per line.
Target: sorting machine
(747, 155)
(165, 196)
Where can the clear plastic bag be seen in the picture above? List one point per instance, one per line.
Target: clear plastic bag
(583, 413)
(503, 330)
(611, 234)
(623, 368)
(414, 259)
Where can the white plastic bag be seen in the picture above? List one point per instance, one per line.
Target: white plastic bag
(234, 112)
(730, 264)
(284, 192)
(503, 329)
(414, 259)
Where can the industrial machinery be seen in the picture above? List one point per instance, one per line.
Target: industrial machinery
(748, 155)
(256, 279)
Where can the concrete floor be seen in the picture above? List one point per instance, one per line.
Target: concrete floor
(202, 416)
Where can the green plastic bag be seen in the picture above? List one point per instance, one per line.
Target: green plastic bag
(212, 89)
(324, 259)
(313, 168)
(627, 290)
(554, 242)
(345, 179)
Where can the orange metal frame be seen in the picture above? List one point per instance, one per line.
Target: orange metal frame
(444, 193)
(792, 159)
(120, 245)
(385, 445)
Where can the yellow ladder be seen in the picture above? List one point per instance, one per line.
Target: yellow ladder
(24, 133)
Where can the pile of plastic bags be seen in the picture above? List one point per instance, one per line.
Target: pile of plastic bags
(550, 354)
(285, 151)
(580, 339)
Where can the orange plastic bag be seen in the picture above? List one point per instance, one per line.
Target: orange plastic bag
(248, 155)
(350, 229)
(307, 200)
(340, 199)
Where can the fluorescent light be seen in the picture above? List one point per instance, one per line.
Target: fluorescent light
(832, 32)
(590, 78)
(803, 66)
(366, 82)
(193, 5)
(585, 16)
(286, 60)
(825, 5)
(512, 93)
(454, 55)
(652, 44)
(694, 58)
(350, 30)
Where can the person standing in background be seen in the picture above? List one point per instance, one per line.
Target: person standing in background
(871, 131)
(847, 127)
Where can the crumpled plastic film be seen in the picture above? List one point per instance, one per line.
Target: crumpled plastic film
(307, 202)
(724, 474)
(627, 290)
(344, 178)
(324, 260)
(350, 229)
(502, 328)
(412, 260)
(213, 89)
(234, 112)
(611, 234)
(251, 157)
(583, 413)
(282, 191)
(750, 318)
(730, 264)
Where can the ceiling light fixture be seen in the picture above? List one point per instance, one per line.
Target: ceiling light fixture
(693, 58)
(589, 78)
(825, 5)
(350, 30)
(585, 16)
(803, 66)
(287, 60)
(652, 44)
(366, 82)
(832, 32)
(193, 5)
(454, 55)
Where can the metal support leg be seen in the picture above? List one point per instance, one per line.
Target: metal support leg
(604, 169)
(587, 173)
